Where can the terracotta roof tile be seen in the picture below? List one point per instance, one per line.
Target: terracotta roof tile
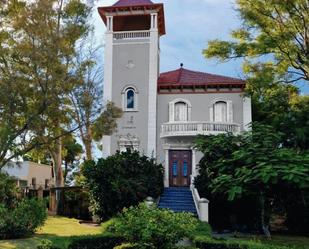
(122, 3)
(184, 77)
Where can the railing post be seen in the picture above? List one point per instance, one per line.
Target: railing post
(203, 208)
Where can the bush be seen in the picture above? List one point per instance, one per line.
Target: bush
(153, 227)
(23, 220)
(96, 242)
(8, 190)
(121, 180)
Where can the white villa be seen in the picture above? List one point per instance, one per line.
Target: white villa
(163, 112)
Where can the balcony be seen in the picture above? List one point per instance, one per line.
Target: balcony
(129, 35)
(197, 128)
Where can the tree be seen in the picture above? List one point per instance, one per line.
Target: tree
(38, 41)
(251, 164)
(72, 153)
(89, 113)
(274, 31)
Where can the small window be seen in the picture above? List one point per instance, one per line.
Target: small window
(129, 99)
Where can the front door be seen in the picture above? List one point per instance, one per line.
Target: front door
(180, 166)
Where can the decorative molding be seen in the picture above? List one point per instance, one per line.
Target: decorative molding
(128, 141)
(172, 109)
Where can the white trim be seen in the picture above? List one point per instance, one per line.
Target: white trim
(247, 113)
(152, 91)
(108, 78)
(172, 109)
(124, 98)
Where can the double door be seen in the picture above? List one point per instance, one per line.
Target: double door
(180, 167)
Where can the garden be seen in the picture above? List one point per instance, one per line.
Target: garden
(118, 187)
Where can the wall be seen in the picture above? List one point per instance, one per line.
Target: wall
(133, 123)
(200, 111)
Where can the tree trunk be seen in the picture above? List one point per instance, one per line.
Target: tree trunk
(57, 158)
(88, 148)
(264, 216)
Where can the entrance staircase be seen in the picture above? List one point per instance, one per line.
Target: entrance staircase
(177, 200)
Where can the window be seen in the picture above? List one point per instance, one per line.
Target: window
(179, 110)
(129, 98)
(128, 142)
(221, 111)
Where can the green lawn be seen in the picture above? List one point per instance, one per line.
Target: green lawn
(57, 229)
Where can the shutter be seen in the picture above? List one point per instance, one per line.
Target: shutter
(229, 111)
(171, 111)
(211, 113)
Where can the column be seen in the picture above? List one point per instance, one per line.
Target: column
(247, 113)
(108, 77)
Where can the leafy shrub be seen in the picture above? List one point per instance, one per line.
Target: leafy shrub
(153, 227)
(8, 190)
(126, 246)
(23, 220)
(96, 242)
(121, 180)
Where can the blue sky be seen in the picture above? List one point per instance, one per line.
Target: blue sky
(189, 25)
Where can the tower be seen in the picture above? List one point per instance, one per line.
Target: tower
(131, 70)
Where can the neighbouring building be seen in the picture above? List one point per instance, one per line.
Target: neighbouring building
(30, 175)
(163, 112)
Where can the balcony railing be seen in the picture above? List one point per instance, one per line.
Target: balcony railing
(131, 35)
(196, 128)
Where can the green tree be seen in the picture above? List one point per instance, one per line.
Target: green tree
(271, 28)
(251, 164)
(91, 116)
(38, 41)
(72, 153)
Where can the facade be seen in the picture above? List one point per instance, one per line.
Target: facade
(30, 175)
(163, 113)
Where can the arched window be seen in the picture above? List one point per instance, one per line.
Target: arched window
(179, 110)
(220, 111)
(129, 98)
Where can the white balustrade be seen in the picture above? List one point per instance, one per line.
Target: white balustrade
(131, 35)
(201, 204)
(196, 128)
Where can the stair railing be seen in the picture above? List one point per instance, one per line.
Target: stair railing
(201, 204)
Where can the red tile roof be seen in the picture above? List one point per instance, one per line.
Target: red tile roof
(122, 3)
(183, 77)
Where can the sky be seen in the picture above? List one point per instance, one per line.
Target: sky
(190, 24)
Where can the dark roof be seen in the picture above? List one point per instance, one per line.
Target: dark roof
(182, 77)
(122, 3)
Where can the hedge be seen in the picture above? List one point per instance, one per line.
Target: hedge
(230, 244)
(96, 242)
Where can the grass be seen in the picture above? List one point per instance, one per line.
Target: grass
(57, 229)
